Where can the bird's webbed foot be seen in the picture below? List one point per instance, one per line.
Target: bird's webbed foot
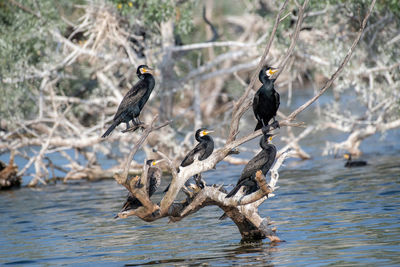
(199, 181)
(135, 125)
(136, 121)
(275, 124)
(138, 124)
(265, 129)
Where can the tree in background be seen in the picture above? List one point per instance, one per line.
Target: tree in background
(70, 63)
(66, 65)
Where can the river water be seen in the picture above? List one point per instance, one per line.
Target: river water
(327, 215)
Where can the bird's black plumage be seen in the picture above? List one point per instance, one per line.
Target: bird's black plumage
(201, 151)
(262, 161)
(133, 102)
(266, 100)
(153, 181)
(353, 163)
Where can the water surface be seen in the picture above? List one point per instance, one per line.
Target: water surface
(327, 214)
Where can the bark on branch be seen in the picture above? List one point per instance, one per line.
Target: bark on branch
(241, 209)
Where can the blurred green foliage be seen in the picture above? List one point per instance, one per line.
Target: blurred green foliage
(154, 12)
(26, 44)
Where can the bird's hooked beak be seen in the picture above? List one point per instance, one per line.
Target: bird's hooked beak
(205, 132)
(271, 71)
(155, 162)
(271, 137)
(147, 70)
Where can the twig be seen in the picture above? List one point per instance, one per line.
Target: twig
(212, 193)
(218, 44)
(24, 8)
(295, 37)
(329, 83)
(40, 155)
(240, 107)
(121, 178)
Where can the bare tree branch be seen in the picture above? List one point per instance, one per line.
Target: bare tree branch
(329, 83)
(122, 178)
(295, 37)
(24, 8)
(240, 107)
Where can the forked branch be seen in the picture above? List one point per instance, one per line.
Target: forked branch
(243, 210)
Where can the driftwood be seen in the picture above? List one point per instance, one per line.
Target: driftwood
(8, 175)
(56, 129)
(192, 92)
(241, 209)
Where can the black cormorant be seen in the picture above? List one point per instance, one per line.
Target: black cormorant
(133, 102)
(153, 181)
(262, 161)
(202, 150)
(266, 100)
(350, 163)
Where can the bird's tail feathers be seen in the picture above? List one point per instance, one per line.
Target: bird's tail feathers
(166, 189)
(258, 126)
(234, 191)
(110, 129)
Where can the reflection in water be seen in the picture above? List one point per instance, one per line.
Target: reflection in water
(327, 214)
(256, 253)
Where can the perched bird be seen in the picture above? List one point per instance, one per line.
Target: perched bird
(266, 100)
(153, 181)
(350, 163)
(202, 150)
(262, 161)
(133, 102)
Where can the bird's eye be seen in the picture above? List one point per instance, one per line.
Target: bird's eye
(204, 133)
(270, 138)
(154, 163)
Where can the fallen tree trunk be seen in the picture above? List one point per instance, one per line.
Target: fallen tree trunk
(8, 175)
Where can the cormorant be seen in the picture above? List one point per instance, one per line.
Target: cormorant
(266, 100)
(202, 150)
(262, 161)
(133, 102)
(153, 181)
(350, 163)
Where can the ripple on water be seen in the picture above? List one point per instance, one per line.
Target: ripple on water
(328, 215)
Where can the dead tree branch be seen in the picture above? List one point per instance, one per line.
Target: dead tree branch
(237, 206)
(122, 178)
(240, 106)
(329, 83)
(295, 37)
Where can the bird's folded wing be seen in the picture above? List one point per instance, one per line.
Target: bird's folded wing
(131, 98)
